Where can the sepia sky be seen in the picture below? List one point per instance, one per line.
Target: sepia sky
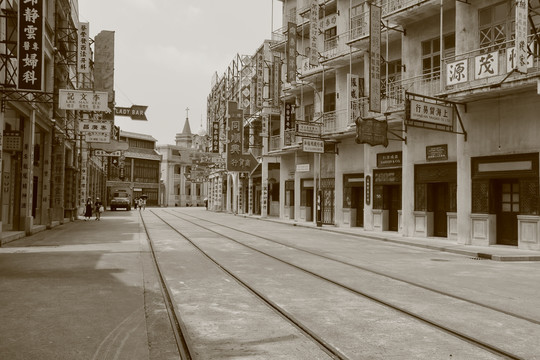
(166, 52)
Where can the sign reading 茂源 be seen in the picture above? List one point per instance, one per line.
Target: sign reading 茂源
(82, 100)
(486, 65)
(30, 45)
(83, 48)
(457, 72)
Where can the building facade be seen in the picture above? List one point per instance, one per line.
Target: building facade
(415, 117)
(44, 178)
(185, 168)
(136, 170)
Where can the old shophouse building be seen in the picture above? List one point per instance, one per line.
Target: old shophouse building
(416, 117)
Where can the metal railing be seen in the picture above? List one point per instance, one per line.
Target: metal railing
(427, 84)
(359, 26)
(391, 6)
(336, 46)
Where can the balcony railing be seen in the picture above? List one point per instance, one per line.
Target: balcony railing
(428, 84)
(336, 46)
(487, 66)
(391, 6)
(359, 26)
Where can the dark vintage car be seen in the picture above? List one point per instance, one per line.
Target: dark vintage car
(120, 203)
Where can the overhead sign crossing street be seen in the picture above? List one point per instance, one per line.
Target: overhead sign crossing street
(136, 112)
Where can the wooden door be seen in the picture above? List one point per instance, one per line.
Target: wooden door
(507, 208)
(439, 197)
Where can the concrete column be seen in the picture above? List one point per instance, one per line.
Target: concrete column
(407, 189)
(264, 185)
(250, 196)
(368, 188)
(2, 121)
(26, 219)
(464, 189)
(46, 211)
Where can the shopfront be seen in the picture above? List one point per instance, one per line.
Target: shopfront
(505, 194)
(435, 197)
(353, 200)
(386, 198)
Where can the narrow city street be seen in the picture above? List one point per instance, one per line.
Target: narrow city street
(241, 287)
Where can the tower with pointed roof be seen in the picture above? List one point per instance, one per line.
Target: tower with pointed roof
(185, 138)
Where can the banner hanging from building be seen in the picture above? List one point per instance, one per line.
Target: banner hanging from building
(259, 71)
(83, 48)
(375, 58)
(236, 159)
(30, 49)
(522, 12)
(291, 52)
(313, 33)
(354, 91)
(215, 136)
(276, 83)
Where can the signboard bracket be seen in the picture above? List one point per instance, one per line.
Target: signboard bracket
(399, 137)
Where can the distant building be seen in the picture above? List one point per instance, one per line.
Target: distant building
(137, 170)
(184, 168)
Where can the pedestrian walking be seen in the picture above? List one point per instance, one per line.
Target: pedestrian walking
(98, 206)
(88, 209)
(142, 203)
(136, 201)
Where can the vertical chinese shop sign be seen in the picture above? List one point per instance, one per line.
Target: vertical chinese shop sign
(236, 159)
(30, 45)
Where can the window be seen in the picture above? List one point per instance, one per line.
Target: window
(330, 38)
(496, 25)
(393, 78)
(329, 102)
(431, 54)
(309, 112)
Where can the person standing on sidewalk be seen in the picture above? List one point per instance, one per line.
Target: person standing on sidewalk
(142, 203)
(98, 208)
(88, 209)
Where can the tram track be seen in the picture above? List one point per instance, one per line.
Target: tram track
(363, 268)
(177, 327)
(456, 333)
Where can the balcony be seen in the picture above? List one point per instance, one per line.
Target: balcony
(407, 11)
(274, 143)
(359, 26)
(489, 69)
(428, 84)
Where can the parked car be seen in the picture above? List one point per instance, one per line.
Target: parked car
(120, 202)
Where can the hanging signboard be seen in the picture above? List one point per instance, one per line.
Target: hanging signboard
(375, 59)
(522, 12)
(30, 48)
(276, 83)
(308, 129)
(236, 159)
(457, 72)
(313, 145)
(87, 100)
(313, 33)
(431, 113)
(437, 152)
(95, 126)
(215, 136)
(136, 112)
(291, 52)
(83, 48)
(372, 132)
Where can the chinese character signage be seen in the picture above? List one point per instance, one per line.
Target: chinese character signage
(437, 152)
(313, 33)
(389, 159)
(486, 65)
(236, 159)
(83, 49)
(289, 116)
(87, 100)
(291, 52)
(522, 9)
(276, 83)
(511, 59)
(375, 59)
(313, 145)
(431, 113)
(456, 72)
(354, 91)
(372, 132)
(215, 136)
(30, 45)
(260, 80)
(98, 126)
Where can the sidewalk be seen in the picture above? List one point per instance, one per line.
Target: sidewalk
(82, 290)
(494, 252)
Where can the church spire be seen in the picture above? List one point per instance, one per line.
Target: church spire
(187, 128)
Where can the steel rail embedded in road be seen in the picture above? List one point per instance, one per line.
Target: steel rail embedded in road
(176, 325)
(326, 347)
(470, 339)
(366, 269)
